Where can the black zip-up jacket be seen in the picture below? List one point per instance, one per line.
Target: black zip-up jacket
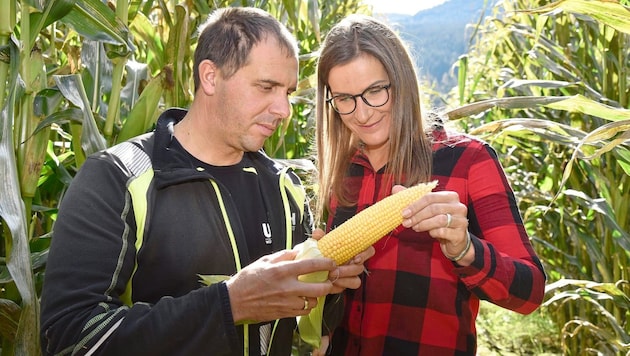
(137, 227)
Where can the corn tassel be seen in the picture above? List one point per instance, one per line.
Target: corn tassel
(370, 225)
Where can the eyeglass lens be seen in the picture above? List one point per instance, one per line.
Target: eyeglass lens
(373, 96)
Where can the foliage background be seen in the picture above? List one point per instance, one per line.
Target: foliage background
(568, 160)
(546, 83)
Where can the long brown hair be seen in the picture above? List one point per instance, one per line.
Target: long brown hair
(410, 155)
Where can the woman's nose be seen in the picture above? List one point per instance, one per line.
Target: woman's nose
(362, 111)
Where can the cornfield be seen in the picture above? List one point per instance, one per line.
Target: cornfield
(546, 83)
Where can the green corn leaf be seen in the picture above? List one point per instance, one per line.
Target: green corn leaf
(12, 211)
(54, 10)
(144, 30)
(136, 78)
(94, 20)
(600, 206)
(61, 117)
(71, 86)
(616, 133)
(9, 319)
(145, 112)
(310, 325)
(545, 129)
(518, 102)
(623, 159)
(610, 13)
(97, 74)
(462, 74)
(581, 104)
(212, 279)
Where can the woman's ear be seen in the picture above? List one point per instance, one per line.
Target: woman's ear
(207, 75)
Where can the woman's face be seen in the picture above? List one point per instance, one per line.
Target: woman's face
(360, 80)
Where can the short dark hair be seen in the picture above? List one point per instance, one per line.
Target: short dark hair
(228, 35)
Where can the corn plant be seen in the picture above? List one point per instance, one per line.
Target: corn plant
(547, 84)
(80, 76)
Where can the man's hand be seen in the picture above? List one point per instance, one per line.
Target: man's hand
(269, 289)
(347, 275)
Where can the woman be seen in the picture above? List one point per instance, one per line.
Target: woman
(460, 244)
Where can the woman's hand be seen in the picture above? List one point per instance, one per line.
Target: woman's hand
(444, 217)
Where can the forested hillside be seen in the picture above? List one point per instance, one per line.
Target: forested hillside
(438, 36)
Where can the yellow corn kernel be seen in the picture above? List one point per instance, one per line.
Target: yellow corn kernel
(370, 225)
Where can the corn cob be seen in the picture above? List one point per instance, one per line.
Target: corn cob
(369, 225)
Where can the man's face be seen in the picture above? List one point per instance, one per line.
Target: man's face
(255, 100)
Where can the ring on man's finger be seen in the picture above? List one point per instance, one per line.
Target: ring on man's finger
(449, 219)
(305, 303)
(337, 277)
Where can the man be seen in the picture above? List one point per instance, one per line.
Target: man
(144, 220)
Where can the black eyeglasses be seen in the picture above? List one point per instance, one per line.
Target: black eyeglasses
(374, 96)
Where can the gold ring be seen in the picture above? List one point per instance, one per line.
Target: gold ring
(336, 278)
(305, 303)
(449, 219)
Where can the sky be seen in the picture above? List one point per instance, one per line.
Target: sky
(409, 7)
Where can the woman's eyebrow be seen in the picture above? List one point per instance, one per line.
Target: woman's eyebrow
(376, 83)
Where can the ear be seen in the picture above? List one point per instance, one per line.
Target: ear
(207, 75)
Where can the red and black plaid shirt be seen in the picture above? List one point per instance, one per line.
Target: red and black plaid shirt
(414, 301)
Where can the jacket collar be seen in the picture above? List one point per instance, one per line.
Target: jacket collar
(172, 167)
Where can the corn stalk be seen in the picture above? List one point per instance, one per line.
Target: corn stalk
(568, 160)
